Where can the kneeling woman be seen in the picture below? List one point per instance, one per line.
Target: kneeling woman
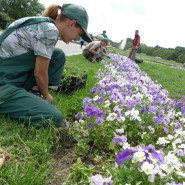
(29, 61)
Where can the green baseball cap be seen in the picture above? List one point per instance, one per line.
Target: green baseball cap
(79, 14)
(105, 40)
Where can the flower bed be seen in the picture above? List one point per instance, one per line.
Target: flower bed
(132, 127)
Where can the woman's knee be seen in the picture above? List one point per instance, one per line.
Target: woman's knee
(56, 115)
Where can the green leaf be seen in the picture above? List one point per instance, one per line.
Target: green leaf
(112, 146)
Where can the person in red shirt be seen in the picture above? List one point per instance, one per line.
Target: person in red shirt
(135, 45)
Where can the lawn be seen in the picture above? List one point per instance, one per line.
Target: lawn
(72, 155)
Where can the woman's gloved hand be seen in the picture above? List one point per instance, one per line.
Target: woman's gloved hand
(98, 54)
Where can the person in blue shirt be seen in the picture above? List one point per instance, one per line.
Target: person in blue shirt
(81, 42)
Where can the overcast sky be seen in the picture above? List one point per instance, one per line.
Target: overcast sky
(160, 22)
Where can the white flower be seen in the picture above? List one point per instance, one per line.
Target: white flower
(178, 140)
(120, 131)
(81, 121)
(121, 119)
(180, 173)
(96, 98)
(96, 180)
(182, 146)
(126, 145)
(111, 116)
(182, 120)
(127, 113)
(147, 168)
(138, 156)
(178, 114)
(166, 168)
(134, 113)
(170, 137)
(162, 140)
(107, 103)
(99, 180)
(151, 178)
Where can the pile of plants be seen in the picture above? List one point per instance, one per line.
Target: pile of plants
(73, 79)
(130, 131)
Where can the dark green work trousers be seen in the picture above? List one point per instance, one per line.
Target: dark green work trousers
(16, 77)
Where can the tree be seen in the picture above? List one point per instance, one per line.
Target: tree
(128, 43)
(16, 9)
(4, 20)
(181, 58)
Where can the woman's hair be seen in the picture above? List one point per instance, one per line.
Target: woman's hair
(52, 12)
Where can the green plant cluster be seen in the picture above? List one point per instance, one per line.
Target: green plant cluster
(72, 71)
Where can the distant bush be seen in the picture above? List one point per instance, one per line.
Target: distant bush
(4, 20)
(181, 58)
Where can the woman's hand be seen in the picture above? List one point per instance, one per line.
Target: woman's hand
(49, 98)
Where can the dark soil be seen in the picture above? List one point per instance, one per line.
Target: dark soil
(62, 163)
(63, 159)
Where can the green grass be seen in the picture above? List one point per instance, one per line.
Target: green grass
(170, 78)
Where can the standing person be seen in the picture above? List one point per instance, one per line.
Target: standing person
(94, 50)
(104, 34)
(81, 42)
(101, 36)
(29, 61)
(135, 45)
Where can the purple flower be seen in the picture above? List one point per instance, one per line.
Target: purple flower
(150, 147)
(90, 126)
(152, 109)
(166, 130)
(178, 125)
(183, 110)
(158, 156)
(143, 110)
(87, 101)
(93, 111)
(78, 116)
(131, 104)
(99, 120)
(120, 138)
(94, 90)
(157, 120)
(123, 156)
(178, 103)
(181, 153)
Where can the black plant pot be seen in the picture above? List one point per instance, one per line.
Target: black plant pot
(72, 83)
